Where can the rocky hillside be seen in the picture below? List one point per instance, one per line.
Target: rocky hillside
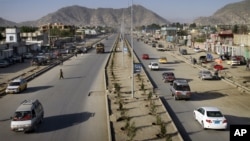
(78, 15)
(4, 22)
(235, 13)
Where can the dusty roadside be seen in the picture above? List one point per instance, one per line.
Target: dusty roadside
(141, 116)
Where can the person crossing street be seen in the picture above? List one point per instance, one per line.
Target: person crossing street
(61, 74)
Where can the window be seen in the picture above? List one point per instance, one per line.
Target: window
(11, 38)
(214, 114)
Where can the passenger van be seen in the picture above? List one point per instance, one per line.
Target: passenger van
(27, 116)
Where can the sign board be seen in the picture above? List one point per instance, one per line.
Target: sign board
(137, 67)
(125, 49)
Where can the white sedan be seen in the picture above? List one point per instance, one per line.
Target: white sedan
(210, 118)
(153, 66)
(197, 49)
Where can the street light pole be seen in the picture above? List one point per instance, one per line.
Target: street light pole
(49, 34)
(132, 46)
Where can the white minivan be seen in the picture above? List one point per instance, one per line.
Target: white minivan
(27, 116)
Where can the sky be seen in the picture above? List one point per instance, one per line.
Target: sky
(172, 10)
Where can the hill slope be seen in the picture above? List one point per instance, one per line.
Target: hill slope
(77, 15)
(235, 13)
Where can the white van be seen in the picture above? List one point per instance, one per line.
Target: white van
(27, 116)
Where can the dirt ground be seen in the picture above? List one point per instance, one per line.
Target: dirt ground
(139, 116)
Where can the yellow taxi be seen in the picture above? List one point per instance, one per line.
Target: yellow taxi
(163, 60)
(16, 86)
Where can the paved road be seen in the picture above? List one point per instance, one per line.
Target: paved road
(74, 107)
(233, 104)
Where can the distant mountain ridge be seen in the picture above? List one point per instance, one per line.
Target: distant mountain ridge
(78, 15)
(231, 14)
(6, 23)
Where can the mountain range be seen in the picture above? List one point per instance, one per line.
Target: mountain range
(77, 15)
(231, 14)
(235, 13)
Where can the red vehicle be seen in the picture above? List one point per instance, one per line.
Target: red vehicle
(218, 67)
(168, 77)
(145, 56)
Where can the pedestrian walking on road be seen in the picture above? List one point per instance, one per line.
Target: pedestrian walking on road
(247, 66)
(61, 74)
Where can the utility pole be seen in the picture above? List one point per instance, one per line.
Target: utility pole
(49, 35)
(122, 36)
(132, 52)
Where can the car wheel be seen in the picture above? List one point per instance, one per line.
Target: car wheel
(176, 98)
(41, 120)
(194, 116)
(203, 125)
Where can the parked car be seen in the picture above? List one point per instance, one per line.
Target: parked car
(28, 55)
(4, 63)
(163, 60)
(183, 52)
(160, 47)
(210, 117)
(27, 116)
(180, 89)
(202, 59)
(197, 49)
(168, 76)
(153, 66)
(233, 61)
(38, 60)
(10, 60)
(16, 58)
(153, 44)
(16, 86)
(145, 56)
(205, 74)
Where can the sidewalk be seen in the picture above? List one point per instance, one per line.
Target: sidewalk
(234, 74)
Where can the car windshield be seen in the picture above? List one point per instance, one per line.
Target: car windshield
(206, 72)
(168, 74)
(154, 64)
(22, 115)
(14, 84)
(183, 88)
(214, 114)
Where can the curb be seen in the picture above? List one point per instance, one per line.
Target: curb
(106, 90)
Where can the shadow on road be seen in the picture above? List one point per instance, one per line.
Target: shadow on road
(58, 122)
(34, 89)
(231, 119)
(206, 95)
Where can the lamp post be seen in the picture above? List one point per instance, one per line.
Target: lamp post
(132, 46)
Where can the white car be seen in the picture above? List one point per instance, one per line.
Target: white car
(197, 49)
(210, 118)
(153, 66)
(28, 55)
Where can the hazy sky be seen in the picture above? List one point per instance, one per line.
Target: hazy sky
(25, 10)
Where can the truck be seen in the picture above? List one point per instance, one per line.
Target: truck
(99, 48)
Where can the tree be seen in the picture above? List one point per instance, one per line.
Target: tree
(193, 25)
(235, 29)
(28, 29)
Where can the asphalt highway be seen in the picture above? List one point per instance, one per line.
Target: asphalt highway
(233, 104)
(74, 106)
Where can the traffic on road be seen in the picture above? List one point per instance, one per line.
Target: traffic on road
(68, 112)
(233, 103)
